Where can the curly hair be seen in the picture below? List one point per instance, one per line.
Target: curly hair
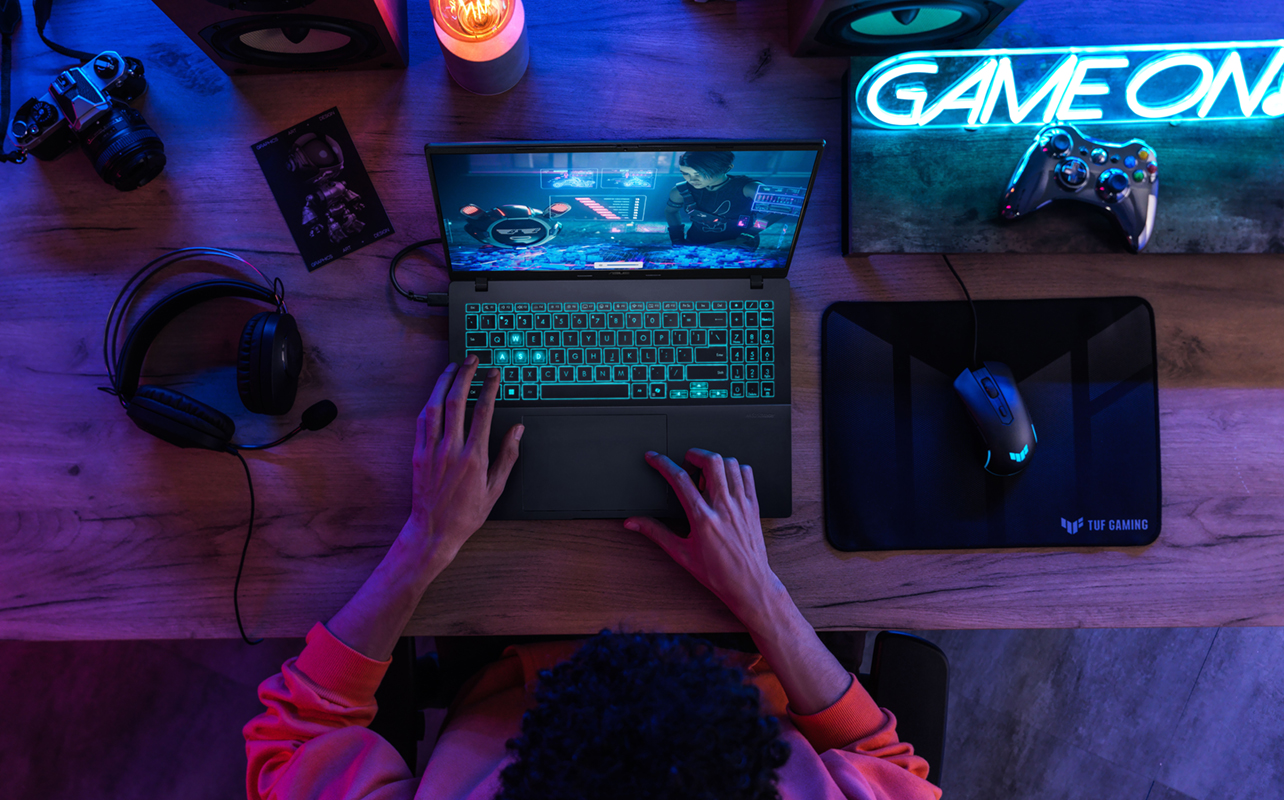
(709, 163)
(644, 716)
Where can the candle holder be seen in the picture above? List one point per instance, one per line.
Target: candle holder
(484, 42)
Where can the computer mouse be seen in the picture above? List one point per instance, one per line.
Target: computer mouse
(990, 395)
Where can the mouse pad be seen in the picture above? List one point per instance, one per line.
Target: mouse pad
(903, 460)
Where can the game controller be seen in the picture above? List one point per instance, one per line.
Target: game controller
(1063, 164)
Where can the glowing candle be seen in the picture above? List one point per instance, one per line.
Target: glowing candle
(484, 42)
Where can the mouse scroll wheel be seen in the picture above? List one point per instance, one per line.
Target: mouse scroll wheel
(989, 387)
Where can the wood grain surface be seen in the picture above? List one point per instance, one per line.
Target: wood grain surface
(106, 532)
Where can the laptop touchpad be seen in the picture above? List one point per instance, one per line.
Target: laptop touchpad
(592, 462)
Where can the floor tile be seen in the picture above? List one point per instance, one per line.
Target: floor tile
(991, 755)
(1114, 693)
(1229, 742)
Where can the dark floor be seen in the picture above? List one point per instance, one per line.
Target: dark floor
(1082, 714)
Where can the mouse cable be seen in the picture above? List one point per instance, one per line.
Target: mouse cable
(236, 603)
(432, 298)
(971, 305)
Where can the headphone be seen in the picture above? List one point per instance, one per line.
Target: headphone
(268, 362)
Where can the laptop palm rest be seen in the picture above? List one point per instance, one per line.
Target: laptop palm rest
(592, 463)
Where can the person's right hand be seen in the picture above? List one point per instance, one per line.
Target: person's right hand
(725, 550)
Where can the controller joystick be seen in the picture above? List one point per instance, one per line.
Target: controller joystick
(1053, 168)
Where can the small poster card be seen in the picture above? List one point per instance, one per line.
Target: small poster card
(322, 189)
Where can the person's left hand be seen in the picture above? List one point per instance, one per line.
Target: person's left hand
(455, 486)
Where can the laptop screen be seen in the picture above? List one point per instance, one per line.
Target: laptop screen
(622, 208)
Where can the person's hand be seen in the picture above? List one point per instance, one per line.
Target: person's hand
(725, 550)
(455, 486)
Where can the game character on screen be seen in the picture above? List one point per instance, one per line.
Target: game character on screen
(719, 204)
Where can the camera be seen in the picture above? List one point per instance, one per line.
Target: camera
(87, 105)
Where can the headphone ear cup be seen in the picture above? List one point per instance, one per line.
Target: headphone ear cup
(179, 419)
(268, 364)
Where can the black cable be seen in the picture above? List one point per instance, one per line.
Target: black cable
(236, 587)
(432, 298)
(972, 305)
(43, 9)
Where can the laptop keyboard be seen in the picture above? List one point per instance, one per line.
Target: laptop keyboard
(669, 351)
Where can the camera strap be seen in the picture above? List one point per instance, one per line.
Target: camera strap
(43, 9)
(10, 16)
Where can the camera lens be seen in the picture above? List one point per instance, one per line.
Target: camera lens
(124, 150)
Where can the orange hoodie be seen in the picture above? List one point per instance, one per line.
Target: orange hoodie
(312, 742)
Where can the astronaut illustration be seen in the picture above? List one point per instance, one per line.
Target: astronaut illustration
(330, 207)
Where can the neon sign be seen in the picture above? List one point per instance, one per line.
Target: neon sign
(1034, 86)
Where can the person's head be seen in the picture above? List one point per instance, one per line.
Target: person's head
(649, 716)
(704, 168)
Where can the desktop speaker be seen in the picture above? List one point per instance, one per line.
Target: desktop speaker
(886, 27)
(255, 36)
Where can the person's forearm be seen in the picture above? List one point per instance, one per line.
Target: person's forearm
(810, 675)
(375, 617)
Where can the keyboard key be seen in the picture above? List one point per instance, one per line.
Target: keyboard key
(552, 339)
(588, 338)
(666, 355)
(524, 321)
(717, 394)
(768, 353)
(751, 390)
(652, 320)
(534, 339)
(702, 306)
(767, 318)
(543, 321)
(597, 320)
(737, 319)
(677, 394)
(660, 337)
(751, 319)
(737, 390)
(713, 320)
(657, 373)
(653, 304)
(699, 338)
(675, 372)
(766, 336)
(579, 321)
(593, 356)
(561, 321)
(603, 306)
(620, 373)
(537, 307)
(474, 391)
(630, 356)
(657, 391)
(768, 372)
(572, 306)
(751, 372)
(718, 337)
(766, 304)
(737, 372)
(611, 356)
(514, 339)
(505, 322)
(642, 338)
(686, 305)
(699, 394)
(539, 356)
(684, 355)
(510, 392)
(606, 338)
(472, 308)
(639, 373)
(548, 373)
(670, 304)
(752, 304)
(566, 374)
(637, 306)
(711, 354)
(521, 307)
(768, 389)
(470, 322)
(700, 385)
(583, 374)
(483, 356)
(586, 391)
(530, 391)
(670, 320)
(501, 357)
(522, 356)
(512, 374)
(620, 306)
(602, 374)
(487, 321)
(648, 355)
(554, 306)
(615, 320)
(574, 356)
(720, 304)
(737, 336)
(689, 320)
(708, 372)
(624, 338)
(737, 304)
(751, 354)
(557, 356)
(633, 320)
(679, 337)
(475, 340)
(751, 336)
(571, 338)
(488, 308)
(497, 339)
(505, 307)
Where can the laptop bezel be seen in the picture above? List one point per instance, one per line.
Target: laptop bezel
(800, 145)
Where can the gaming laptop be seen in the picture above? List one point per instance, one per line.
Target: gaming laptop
(634, 296)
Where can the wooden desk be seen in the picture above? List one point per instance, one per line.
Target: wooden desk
(108, 533)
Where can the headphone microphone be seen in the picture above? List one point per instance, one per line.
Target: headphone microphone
(315, 418)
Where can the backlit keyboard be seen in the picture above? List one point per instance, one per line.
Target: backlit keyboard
(602, 351)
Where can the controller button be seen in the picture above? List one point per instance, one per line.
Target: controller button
(1143, 154)
(990, 388)
(1072, 173)
(1117, 182)
(19, 129)
(1139, 176)
(1152, 168)
(1083, 150)
(1098, 155)
(1060, 143)
(1130, 162)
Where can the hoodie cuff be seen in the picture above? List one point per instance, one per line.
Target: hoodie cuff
(853, 716)
(333, 665)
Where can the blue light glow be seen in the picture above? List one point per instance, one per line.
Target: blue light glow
(1019, 457)
(1131, 83)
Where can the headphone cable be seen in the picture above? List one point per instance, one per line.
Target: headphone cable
(432, 298)
(971, 305)
(236, 587)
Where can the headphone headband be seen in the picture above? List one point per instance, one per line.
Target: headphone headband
(129, 364)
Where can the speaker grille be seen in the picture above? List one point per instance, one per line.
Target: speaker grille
(902, 25)
(299, 41)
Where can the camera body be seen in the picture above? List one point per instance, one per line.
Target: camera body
(87, 105)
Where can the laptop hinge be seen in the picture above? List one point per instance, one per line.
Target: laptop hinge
(481, 283)
(755, 281)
